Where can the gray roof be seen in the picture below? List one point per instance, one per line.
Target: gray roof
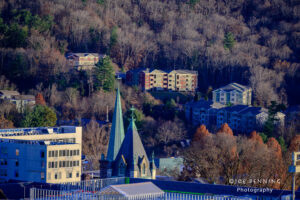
(254, 110)
(184, 71)
(236, 108)
(83, 54)
(234, 86)
(24, 97)
(9, 92)
(132, 148)
(134, 189)
(206, 104)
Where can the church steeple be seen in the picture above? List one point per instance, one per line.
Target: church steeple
(117, 130)
(132, 150)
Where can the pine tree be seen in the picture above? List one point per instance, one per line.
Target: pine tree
(229, 41)
(105, 74)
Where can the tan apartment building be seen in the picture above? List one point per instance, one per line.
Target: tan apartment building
(154, 79)
(43, 154)
(84, 61)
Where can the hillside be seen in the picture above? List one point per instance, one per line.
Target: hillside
(254, 42)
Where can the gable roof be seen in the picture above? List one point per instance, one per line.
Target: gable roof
(206, 104)
(132, 148)
(234, 86)
(24, 97)
(133, 190)
(83, 54)
(9, 92)
(183, 71)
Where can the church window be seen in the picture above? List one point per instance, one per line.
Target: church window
(143, 169)
(121, 169)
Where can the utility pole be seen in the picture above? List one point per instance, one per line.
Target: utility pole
(294, 169)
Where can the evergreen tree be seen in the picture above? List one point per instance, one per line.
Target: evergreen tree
(269, 125)
(40, 116)
(264, 137)
(105, 74)
(229, 41)
(282, 143)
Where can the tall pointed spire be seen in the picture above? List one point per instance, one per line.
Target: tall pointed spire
(117, 130)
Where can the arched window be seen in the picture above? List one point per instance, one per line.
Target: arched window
(122, 169)
(143, 169)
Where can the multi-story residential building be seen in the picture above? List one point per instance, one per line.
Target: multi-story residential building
(202, 112)
(240, 118)
(182, 80)
(21, 101)
(8, 94)
(50, 155)
(154, 79)
(233, 93)
(84, 61)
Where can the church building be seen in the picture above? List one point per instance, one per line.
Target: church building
(126, 156)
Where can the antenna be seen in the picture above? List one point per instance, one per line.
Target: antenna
(107, 120)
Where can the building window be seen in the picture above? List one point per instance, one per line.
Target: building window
(17, 152)
(77, 174)
(42, 175)
(144, 169)
(122, 169)
(42, 154)
(49, 176)
(16, 174)
(69, 174)
(43, 164)
(17, 163)
(55, 176)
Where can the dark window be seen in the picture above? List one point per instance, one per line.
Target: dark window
(17, 163)
(42, 154)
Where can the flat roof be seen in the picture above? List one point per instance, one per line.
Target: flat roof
(37, 131)
(33, 142)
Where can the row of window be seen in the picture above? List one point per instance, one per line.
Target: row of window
(72, 163)
(58, 175)
(62, 153)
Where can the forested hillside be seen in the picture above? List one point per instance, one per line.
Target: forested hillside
(254, 42)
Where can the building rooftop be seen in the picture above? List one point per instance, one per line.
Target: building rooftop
(33, 142)
(24, 97)
(183, 71)
(205, 104)
(234, 86)
(9, 92)
(83, 54)
(36, 131)
(133, 190)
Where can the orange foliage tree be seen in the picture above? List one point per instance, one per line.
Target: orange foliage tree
(200, 133)
(256, 137)
(275, 147)
(225, 129)
(39, 99)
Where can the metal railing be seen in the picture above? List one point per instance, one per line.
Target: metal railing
(93, 185)
(43, 194)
